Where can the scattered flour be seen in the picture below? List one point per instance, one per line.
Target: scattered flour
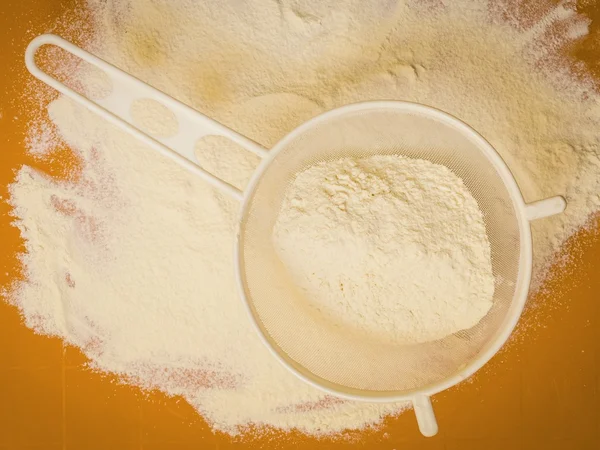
(131, 259)
(389, 246)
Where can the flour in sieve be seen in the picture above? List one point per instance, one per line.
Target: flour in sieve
(131, 260)
(387, 246)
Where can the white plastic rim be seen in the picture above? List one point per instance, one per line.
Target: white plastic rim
(196, 125)
(524, 212)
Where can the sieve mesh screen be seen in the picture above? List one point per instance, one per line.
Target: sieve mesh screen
(340, 358)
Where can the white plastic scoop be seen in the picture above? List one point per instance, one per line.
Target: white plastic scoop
(333, 361)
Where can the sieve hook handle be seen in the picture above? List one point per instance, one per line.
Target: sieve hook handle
(545, 208)
(425, 416)
(116, 109)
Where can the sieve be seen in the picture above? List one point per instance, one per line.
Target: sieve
(333, 359)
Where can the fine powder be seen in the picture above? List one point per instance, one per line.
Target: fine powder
(131, 261)
(387, 246)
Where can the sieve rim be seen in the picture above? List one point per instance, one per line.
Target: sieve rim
(523, 277)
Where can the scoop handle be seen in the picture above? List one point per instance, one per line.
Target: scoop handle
(116, 109)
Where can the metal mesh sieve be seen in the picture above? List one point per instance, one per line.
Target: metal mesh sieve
(339, 358)
(333, 359)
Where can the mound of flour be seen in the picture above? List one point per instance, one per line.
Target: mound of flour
(389, 246)
(131, 259)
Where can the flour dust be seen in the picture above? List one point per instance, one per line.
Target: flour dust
(131, 260)
(388, 247)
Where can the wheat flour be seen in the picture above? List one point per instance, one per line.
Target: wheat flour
(131, 259)
(391, 247)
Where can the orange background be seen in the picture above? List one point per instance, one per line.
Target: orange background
(541, 392)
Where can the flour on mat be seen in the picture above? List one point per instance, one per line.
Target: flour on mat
(387, 246)
(133, 262)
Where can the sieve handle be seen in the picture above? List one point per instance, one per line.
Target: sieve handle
(425, 416)
(545, 208)
(116, 109)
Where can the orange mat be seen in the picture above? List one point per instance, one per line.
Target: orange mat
(541, 392)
